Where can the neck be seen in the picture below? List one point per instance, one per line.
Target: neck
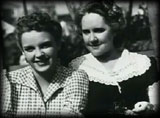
(45, 76)
(44, 80)
(111, 55)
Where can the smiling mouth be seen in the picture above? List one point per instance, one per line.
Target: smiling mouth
(94, 46)
(41, 63)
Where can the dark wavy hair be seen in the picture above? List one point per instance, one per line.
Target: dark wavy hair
(38, 21)
(112, 14)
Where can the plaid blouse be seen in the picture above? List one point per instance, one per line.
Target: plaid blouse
(65, 96)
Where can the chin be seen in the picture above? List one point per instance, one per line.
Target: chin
(96, 54)
(43, 69)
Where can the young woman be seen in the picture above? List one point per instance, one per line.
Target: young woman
(44, 88)
(118, 79)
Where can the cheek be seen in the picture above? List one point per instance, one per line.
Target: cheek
(28, 56)
(107, 37)
(85, 38)
(51, 52)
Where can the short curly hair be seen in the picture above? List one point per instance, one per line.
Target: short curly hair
(111, 12)
(38, 21)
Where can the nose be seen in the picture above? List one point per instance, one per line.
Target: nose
(93, 38)
(39, 52)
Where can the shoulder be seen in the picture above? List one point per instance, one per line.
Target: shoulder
(14, 78)
(79, 75)
(134, 62)
(140, 68)
(154, 62)
(76, 76)
(71, 72)
(75, 83)
(143, 63)
(17, 76)
(135, 57)
(77, 62)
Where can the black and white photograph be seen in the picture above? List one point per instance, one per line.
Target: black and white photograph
(79, 58)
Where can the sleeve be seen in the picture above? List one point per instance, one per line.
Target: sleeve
(6, 95)
(153, 83)
(153, 71)
(153, 91)
(75, 63)
(77, 92)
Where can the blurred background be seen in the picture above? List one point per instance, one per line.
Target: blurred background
(141, 29)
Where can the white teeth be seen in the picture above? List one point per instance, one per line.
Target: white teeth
(40, 62)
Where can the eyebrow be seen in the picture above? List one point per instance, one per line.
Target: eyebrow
(46, 43)
(95, 29)
(98, 29)
(42, 43)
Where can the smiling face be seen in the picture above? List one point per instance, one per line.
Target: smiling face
(40, 50)
(97, 35)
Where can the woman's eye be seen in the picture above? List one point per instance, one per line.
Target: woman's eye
(46, 45)
(99, 30)
(29, 49)
(85, 31)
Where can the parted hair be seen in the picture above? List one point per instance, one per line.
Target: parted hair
(38, 21)
(111, 12)
(113, 16)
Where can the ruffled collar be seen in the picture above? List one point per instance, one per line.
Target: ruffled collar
(127, 66)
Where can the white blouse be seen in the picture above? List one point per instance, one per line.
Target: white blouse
(127, 66)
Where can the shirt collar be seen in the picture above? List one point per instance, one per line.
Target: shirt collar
(58, 82)
(26, 78)
(127, 66)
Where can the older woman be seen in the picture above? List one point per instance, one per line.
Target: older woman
(119, 79)
(44, 88)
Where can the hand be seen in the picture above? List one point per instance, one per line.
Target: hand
(143, 107)
(129, 112)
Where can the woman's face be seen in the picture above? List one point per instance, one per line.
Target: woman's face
(40, 50)
(97, 35)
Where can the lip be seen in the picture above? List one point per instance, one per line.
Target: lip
(94, 46)
(41, 63)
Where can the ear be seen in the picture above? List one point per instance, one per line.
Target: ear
(22, 52)
(24, 57)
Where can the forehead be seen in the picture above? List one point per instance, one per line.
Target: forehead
(34, 37)
(92, 20)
